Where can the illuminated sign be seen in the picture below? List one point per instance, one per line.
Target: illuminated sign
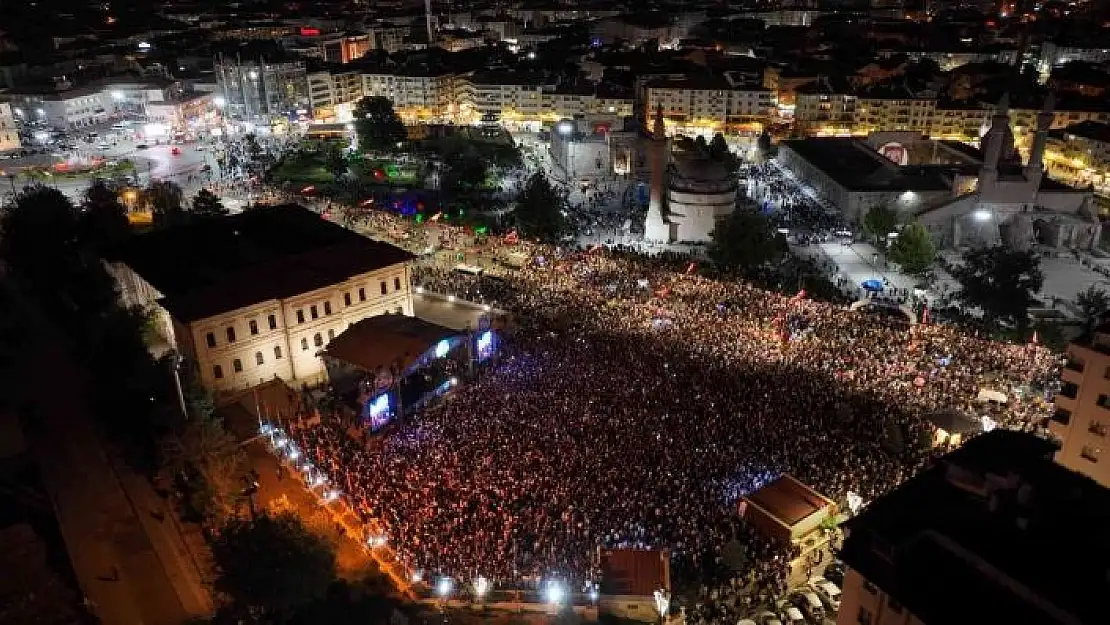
(309, 31)
(895, 153)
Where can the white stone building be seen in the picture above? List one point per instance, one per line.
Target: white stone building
(260, 294)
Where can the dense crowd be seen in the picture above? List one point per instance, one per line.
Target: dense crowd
(635, 403)
(787, 205)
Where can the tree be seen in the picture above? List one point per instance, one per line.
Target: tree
(879, 222)
(720, 152)
(377, 125)
(539, 211)
(208, 204)
(350, 603)
(103, 218)
(165, 199)
(272, 564)
(206, 459)
(913, 250)
(40, 231)
(746, 241)
(335, 159)
(1000, 282)
(464, 171)
(1092, 303)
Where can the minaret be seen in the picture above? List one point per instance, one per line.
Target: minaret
(992, 150)
(655, 226)
(1034, 169)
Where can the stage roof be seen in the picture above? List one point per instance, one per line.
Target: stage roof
(634, 572)
(788, 500)
(382, 340)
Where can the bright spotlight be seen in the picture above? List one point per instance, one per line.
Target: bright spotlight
(417, 576)
(451, 298)
(444, 586)
(555, 593)
(481, 587)
(281, 442)
(982, 215)
(442, 348)
(293, 455)
(253, 75)
(332, 495)
(565, 128)
(117, 95)
(594, 596)
(219, 101)
(485, 341)
(454, 381)
(419, 290)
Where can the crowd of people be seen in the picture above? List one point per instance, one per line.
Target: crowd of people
(787, 205)
(635, 402)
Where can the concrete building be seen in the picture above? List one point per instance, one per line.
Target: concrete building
(9, 136)
(1082, 416)
(259, 89)
(712, 105)
(258, 295)
(987, 534)
(418, 97)
(65, 109)
(1079, 155)
(332, 95)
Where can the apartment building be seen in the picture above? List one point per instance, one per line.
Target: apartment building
(708, 104)
(1079, 156)
(333, 94)
(428, 96)
(260, 87)
(260, 294)
(1082, 416)
(9, 136)
(826, 107)
(990, 533)
(895, 107)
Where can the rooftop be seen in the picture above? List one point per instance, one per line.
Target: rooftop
(788, 500)
(853, 165)
(212, 266)
(995, 530)
(383, 340)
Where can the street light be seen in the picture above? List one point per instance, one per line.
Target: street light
(219, 101)
(555, 593)
(481, 587)
(117, 95)
(444, 587)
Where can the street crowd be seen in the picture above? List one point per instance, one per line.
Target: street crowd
(636, 402)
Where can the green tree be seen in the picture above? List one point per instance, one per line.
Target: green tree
(208, 204)
(335, 159)
(40, 232)
(377, 125)
(272, 565)
(746, 241)
(103, 217)
(206, 459)
(720, 152)
(913, 250)
(165, 199)
(539, 211)
(464, 171)
(1092, 303)
(1000, 283)
(879, 222)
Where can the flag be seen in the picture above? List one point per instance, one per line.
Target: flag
(663, 292)
(799, 296)
(690, 268)
(925, 315)
(512, 238)
(435, 217)
(1034, 340)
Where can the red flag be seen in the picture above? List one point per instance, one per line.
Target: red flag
(799, 296)
(512, 238)
(1034, 340)
(925, 315)
(690, 268)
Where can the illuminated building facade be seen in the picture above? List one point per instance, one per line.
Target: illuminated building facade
(986, 534)
(1080, 156)
(715, 105)
(1082, 417)
(258, 295)
(259, 88)
(9, 137)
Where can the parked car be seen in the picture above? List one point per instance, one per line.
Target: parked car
(835, 573)
(810, 604)
(828, 592)
(142, 146)
(767, 617)
(793, 616)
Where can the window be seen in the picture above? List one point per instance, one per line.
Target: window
(346, 299)
(327, 308)
(272, 320)
(396, 284)
(399, 310)
(362, 295)
(331, 334)
(258, 358)
(277, 352)
(1062, 416)
(382, 285)
(864, 616)
(1069, 390)
(318, 340)
(253, 326)
(231, 335)
(1089, 453)
(304, 344)
(237, 365)
(218, 372)
(1097, 428)
(312, 311)
(1103, 401)
(210, 338)
(300, 316)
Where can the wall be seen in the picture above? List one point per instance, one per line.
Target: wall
(864, 603)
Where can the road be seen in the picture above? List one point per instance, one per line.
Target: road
(131, 567)
(457, 315)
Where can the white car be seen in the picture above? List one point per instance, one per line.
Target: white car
(828, 592)
(766, 617)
